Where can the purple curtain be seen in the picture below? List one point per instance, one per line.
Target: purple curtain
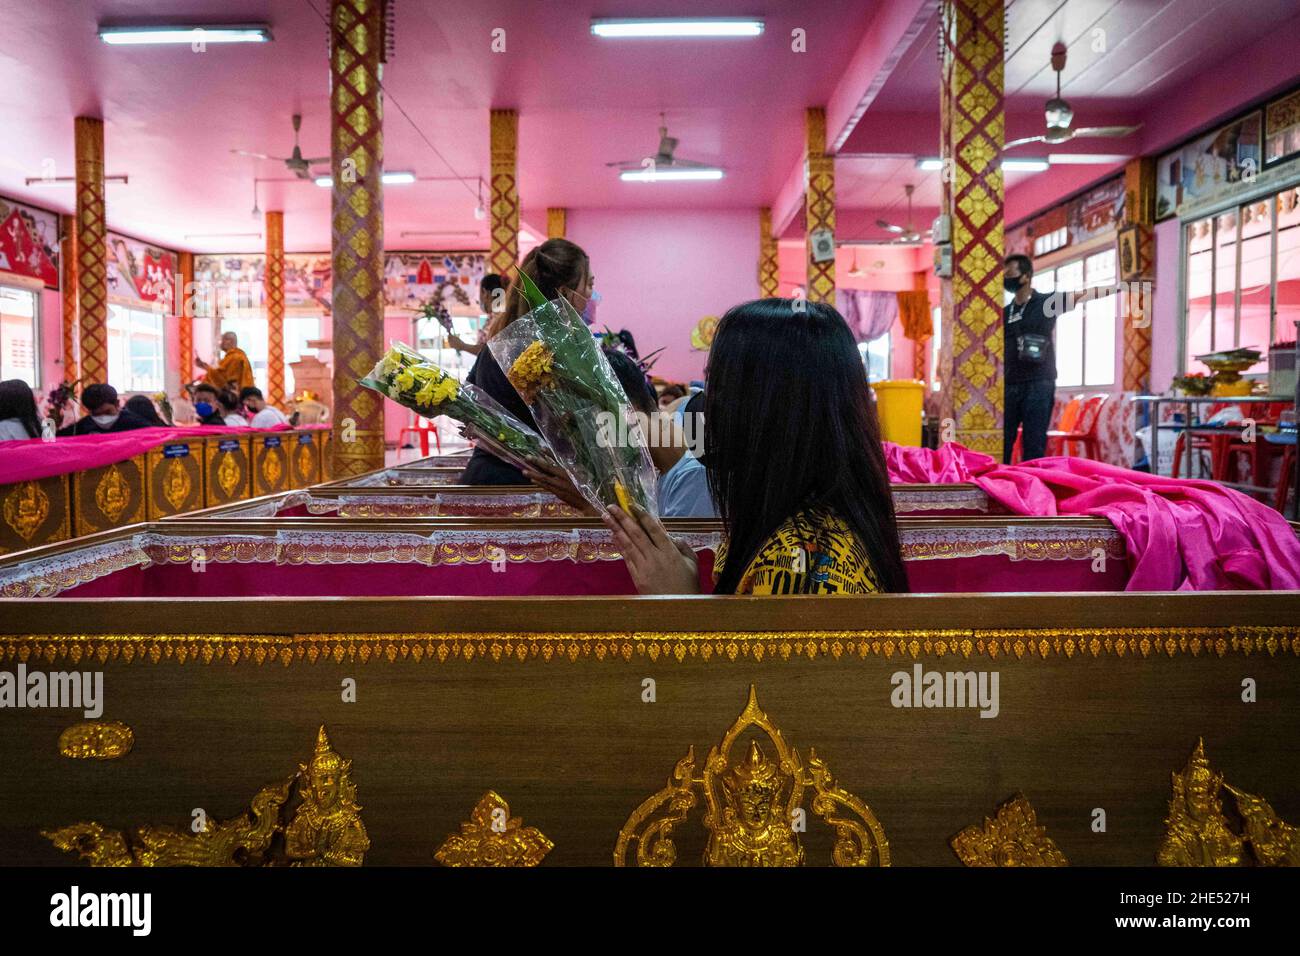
(869, 314)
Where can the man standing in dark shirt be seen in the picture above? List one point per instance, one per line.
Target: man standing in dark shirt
(1029, 325)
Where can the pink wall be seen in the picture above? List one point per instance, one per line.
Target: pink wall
(659, 271)
(1165, 310)
(51, 340)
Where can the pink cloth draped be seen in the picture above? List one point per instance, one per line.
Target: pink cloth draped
(1181, 534)
(868, 314)
(949, 464)
(34, 458)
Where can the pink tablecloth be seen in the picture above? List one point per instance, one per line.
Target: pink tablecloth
(34, 459)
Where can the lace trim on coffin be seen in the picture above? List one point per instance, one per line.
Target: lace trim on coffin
(1018, 542)
(956, 499)
(54, 575)
(392, 477)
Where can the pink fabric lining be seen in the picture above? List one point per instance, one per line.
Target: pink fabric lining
(35, 458)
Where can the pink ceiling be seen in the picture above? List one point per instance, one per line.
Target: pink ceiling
(172, 116)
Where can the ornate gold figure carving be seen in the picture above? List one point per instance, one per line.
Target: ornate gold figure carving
(491, 837)
(271, 469)
(1011, 838)
(228, 474)
(752, 806)
(326, 829)
(96, 740)
(304, 462)
(112, 494)
(25, 509)
(1196, 831)
(1272, 840)
(176, 484)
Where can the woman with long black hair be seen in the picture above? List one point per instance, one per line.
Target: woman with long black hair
(792, 448)
(559, 268)
(18, 411)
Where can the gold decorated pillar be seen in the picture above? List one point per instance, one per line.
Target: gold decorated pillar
(1136, 265)
(92, 250)
(503, 248)
(819, 205)
(972, 135)
(357, 231)
(273, 288)
(68, 282)
(557, 222)
(185, 315)
(768, 267)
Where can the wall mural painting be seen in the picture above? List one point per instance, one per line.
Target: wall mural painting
(140, 273)
(1085, 217)
(1210, 167)
(29, 242)
(1282, 129)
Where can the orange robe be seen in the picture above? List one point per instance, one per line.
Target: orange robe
(233, 369)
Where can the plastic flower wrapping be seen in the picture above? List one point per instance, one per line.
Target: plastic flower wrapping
(558, 369)
(411, 380)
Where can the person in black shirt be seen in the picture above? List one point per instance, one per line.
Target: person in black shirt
(207, 406)
(559, 268)
(103, 414)
(1029, 326)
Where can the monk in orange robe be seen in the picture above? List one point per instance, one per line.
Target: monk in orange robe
(234, 369)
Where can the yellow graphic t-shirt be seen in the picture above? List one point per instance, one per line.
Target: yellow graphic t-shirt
(812, 553)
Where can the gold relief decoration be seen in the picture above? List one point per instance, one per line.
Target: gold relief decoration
(1199, 833)
(323, 829)
(25, 508)
(228, 474)
(271, 468)
(1013, 837)
(96, 740)
(326, 829)
(304, 460)
(492, 837)
(176, 484)
(112, 494)
(752, 802)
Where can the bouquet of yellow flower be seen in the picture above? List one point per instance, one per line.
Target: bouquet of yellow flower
(558, 369)
(414, 382)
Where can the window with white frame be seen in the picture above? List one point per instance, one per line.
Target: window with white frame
(1085, 332)
(875, 357)
(135, 349)
(19, 334)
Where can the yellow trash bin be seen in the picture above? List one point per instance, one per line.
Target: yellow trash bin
(899, 403)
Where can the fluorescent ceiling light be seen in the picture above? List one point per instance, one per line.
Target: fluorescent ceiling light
(1012, 164)
(665, 175)
(186, 34)
(389, 179)
(681, 27)
(67, 180)
(1086, 159)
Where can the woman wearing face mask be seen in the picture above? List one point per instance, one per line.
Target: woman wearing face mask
(17, 411)
(559, 268)
(103, 414)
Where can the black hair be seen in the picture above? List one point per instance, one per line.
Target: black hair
(632, 377)
(555, 265)
(206, 387)
(491, 282)
(792, 429)
(17, 401)
(228, 400)
(93, 396)
(141, 406)
(251, 391)
(1023, 263)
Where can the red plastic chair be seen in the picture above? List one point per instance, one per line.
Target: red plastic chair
(1216, 445)
(1083, 429)
(1069, 415)
(1259, 453)
(422, 427)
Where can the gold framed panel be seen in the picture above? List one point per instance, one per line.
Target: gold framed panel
(305, 459)
(33, 513)
(175, 473)
(227, 467)
(271, 463)
(109, 497)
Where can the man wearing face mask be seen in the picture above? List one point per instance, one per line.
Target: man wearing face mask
(103, 414)
(1030, 354)
(206, 405)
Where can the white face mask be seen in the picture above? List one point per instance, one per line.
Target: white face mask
(104, 421)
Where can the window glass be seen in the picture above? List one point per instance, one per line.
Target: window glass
(19, 334)
(135, 349)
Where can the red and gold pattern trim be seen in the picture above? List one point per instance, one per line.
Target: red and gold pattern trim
(92, 250)
(273, 289)
(768, 266)
(819, 204)
(503, 247)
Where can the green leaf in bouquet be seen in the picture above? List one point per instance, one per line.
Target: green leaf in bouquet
(533, 294)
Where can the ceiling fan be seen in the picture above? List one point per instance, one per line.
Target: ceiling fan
(664, 158)
(1059, 115)
(295, 162)
(904, 235)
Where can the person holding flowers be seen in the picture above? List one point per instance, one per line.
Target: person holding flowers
(794, 460)
(558, 268)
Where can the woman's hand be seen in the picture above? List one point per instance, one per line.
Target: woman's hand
(658, 564)
(549, 476)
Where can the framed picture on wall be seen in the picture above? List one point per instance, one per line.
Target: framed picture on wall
(1210, 167)
(1282, 129)
(1130, 250)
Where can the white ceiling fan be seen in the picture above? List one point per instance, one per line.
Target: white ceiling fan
(296, 164)
(1060, 115)
(904, 235)
(665, 163)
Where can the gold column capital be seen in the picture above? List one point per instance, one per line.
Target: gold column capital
(557, 222)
